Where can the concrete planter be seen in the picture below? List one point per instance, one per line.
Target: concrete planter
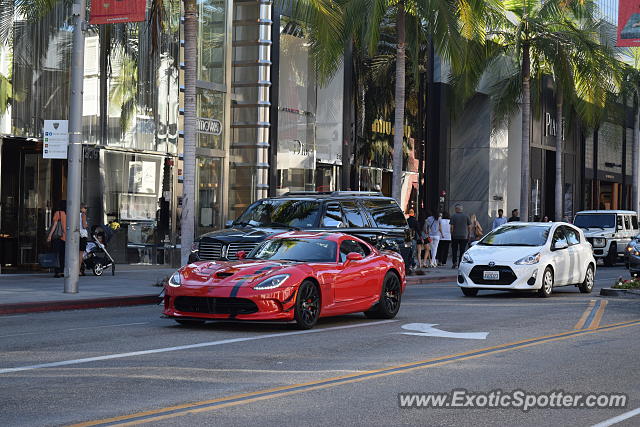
(625, 293)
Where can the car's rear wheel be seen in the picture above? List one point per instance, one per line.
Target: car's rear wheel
(307, 309)
(547, 283)
(389, 303)
(587, 285)
(469, 292)
(190, 322)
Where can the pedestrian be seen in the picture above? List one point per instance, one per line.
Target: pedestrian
(58, 235)
(416, 242)
(433, 228)
(460, 224)
(445, 242)
(475, 230)
(84, 234)
(515, 215)
(545, 219)
(499, 221)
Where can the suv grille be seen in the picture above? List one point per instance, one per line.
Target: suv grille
(234, 248)
(507, 276)
(210, 250)
(209, 305)
(216, 250)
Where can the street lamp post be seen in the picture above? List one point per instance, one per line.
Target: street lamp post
(74, 188)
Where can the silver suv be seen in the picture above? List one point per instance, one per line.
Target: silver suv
(608, 231)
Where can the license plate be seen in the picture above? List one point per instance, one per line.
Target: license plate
(491, 275)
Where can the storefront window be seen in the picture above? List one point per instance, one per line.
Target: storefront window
(210, 111)
(209, 200)
(211, 40)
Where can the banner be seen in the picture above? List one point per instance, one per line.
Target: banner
(628, 23)
(115, 11)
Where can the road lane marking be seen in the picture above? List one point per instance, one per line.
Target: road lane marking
(74, 329)
(240, 399)
(584, 316)
(619, 418)
(185, 347)
(595, 323)
(428, 330)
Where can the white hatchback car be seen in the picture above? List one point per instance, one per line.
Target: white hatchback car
(523, 256)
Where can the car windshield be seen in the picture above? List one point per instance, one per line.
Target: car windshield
(595, 221)
(303, 250)
(517, 235)
(285, 213)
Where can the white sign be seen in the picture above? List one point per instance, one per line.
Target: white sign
(209, 126)
(428, 330)
(55, 139)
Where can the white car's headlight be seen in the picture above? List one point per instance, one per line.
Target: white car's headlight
(466, 258)
(272, 282)
(599, 242)
(175, 280)
(529, 260)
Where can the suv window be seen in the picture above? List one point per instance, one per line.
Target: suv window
(355, 219)
(348, 246)
(595, 221)
(634, 222)
(619, 222)
(573, 238)
(281, 212)
(627, 222)
(386, 213)
(559, 237)
(333, 216)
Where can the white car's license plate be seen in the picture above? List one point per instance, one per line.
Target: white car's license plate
(491, 275)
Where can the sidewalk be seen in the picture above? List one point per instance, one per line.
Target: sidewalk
(131, 285)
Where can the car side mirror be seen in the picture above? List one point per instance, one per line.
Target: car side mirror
(228, 224)
(354, 256)
(241, 254)
(560, 245)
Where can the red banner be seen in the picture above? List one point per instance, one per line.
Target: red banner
(115, 11)
(628, 23)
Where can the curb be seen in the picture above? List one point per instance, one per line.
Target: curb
(628, 293)
(37, 307)
(422, 280)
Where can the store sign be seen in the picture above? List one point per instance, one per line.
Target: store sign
(115, 11)
(56, 139)
(628, 23)
(209, 126)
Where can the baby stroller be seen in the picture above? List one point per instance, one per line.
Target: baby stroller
(96, 257)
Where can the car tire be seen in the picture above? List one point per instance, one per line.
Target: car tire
(469, 292)
(389, 303)
(612, 256)
(587, 285)
(547, 283)
(190, 322)
(307, 308)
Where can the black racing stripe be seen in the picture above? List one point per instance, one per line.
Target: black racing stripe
(236, 288)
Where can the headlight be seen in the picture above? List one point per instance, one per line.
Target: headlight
(599, 242)
(529, 260)
(466, 258)
(195, 246)
(175, 280)
(272, 282)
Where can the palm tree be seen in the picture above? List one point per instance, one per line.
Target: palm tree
(187, 219)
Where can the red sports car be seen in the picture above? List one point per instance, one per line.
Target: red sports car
(294, 276)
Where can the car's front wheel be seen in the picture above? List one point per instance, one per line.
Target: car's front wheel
(307, 309)
(586, 286)
(469, 292)
(547, 283)
(389, 303)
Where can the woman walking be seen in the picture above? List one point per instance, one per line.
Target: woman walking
(475, 230)
(84, 234)
(433, 229)
(443, 245)
(58, 235)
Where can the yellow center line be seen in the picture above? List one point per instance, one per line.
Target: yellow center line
(584, 316)
(241, 399)
(595, 323)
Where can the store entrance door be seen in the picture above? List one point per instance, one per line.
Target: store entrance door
(26, 203)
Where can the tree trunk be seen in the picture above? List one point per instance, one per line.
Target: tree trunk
(559, 182)
(635, 153)
(525, 182)
(398, 136)
(187, 219)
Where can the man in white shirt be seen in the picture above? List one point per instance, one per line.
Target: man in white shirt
(500, 220)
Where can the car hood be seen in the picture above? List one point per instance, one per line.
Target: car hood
(231, 273)
(241, 234)
(501, 254)
(598, 232)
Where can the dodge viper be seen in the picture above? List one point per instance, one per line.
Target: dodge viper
(291, 277)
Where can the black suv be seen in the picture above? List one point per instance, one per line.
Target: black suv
(368, 215)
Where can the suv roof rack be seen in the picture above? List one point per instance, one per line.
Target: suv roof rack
(333, 193)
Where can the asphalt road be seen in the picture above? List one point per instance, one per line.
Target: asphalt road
(128, 365)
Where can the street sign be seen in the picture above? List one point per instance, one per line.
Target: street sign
(117, 11)
(428, 330)
(55, 139)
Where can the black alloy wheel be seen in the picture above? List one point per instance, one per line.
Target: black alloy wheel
(389, 303)
(307, 309)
